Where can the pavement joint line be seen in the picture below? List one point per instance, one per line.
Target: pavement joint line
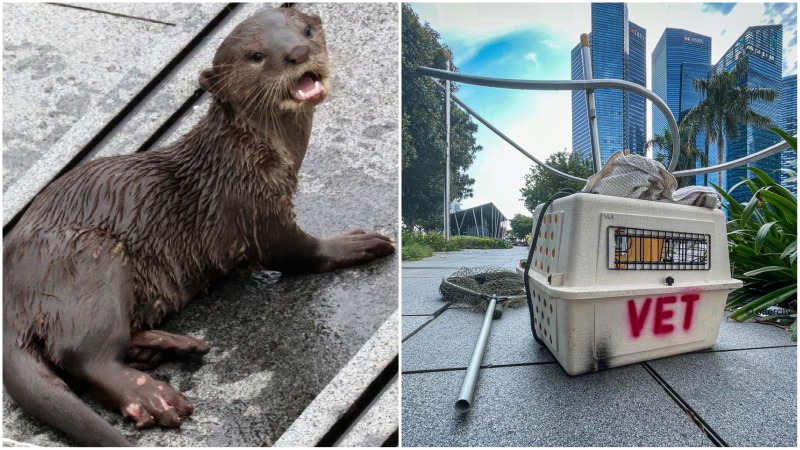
(331, 403)
(488, 366)
(173, 119)
(376, 388)
(393, 440)
(419, 328)
(100, 11)
(704, 427)
(745, 349)
(90, 148)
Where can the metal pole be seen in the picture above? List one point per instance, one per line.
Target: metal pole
(464, 401)
(586, 58)
(558, 85)
(447, 157)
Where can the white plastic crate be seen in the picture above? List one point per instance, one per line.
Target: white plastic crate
(601, 273)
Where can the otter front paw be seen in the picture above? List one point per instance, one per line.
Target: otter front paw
(349, 249)
(153, 403)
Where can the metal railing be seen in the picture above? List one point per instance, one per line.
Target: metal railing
(589, 86)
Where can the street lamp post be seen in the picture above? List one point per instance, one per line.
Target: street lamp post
(446, 233)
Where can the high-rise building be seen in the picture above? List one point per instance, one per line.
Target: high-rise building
(763, 45)
(679, 58)
(618, 51)
(788, 107)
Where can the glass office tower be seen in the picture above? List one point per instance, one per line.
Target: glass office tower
(618, 51)
(679, 58)
(763, 45)
(788, 107)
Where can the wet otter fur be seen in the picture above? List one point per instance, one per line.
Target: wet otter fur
(107, 251)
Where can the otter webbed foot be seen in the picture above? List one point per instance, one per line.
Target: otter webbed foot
(349, 249)
(149, 348)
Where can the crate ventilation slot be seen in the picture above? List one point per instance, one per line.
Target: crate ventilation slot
(545, 255)
(545, 319)
(643, 249)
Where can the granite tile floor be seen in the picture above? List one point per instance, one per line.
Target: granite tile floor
(741, 392)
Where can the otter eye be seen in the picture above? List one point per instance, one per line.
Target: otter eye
(307, 31)
(257, 57)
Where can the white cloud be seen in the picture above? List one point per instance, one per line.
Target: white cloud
(532, 57)
(550, 43)
(543, 128)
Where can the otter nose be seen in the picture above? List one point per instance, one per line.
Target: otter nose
(299, 54)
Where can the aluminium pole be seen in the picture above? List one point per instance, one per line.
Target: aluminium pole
(586, 58)
(464, 401)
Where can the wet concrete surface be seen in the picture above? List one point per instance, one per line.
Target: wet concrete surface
(278, 340)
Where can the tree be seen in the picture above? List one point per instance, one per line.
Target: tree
(423, 124)
(726, 107)
(541, 184)
(521, 226)
(688, 158)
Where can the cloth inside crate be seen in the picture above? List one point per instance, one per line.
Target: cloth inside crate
(635, 176)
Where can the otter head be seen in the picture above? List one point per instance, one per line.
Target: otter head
(275, 60)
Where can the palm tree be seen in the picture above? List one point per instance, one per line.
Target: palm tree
(662, 152)
(727, 105)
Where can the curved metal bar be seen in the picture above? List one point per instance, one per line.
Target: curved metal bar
(780, 146)
(571, 85)
(508, 139)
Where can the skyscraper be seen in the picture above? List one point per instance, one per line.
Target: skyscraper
(763, 45)
(679, 58)
(788, 107)
(618, 51)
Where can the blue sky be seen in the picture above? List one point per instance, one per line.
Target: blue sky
(533, 41)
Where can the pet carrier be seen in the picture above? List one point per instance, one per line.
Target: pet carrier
(615, 280)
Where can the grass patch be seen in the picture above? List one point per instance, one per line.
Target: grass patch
(415, 252)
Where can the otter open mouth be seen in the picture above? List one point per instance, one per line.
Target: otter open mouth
(308, 88)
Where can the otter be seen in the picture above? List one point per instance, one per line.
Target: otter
(110, 249)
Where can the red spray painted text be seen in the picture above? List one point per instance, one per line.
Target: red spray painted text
(663, 317)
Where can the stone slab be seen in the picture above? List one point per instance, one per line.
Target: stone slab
(449, 340)
(66, 68)
(345, 389)
(540, 405)
(421, 295)
(749, 397)
(735, 335)
(437, 272)
(172, 13)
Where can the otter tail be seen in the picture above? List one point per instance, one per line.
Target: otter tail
(38, 390)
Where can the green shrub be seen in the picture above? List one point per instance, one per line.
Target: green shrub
(415, 252)
(434, 240)
(479, 243)
(762, 239)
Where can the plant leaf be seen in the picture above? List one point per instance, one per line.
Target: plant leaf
(751, 309)
(747, 213)
(791, 140)
(778, 269)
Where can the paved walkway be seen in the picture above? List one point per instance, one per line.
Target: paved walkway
(742, 392)
(90, 80)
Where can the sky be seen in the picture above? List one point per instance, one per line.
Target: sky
(533, 41)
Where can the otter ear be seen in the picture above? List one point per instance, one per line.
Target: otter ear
(207, 80)
(288, 5)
